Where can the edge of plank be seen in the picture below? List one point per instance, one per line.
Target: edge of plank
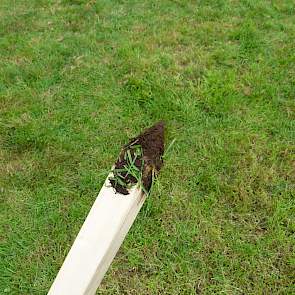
(98, 241)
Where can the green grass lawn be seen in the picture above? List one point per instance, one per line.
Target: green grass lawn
(78, 78)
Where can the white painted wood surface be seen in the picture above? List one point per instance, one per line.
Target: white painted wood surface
(98, 241)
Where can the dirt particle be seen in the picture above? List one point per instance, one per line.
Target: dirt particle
(247, 91)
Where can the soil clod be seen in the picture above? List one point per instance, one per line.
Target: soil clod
(140, 160)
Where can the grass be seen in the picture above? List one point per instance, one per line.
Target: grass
(78, 78)
(130, 174)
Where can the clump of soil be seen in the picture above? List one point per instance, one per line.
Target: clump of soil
(148, 162)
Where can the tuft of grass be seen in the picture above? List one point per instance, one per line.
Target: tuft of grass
(78, 78)
(124, 176)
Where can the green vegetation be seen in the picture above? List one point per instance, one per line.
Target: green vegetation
(78, 78)
(130, 174)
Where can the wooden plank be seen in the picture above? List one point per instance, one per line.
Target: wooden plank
(98, 241)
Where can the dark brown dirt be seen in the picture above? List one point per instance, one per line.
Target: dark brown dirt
(152, 144)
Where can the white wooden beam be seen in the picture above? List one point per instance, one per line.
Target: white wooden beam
(98, 241)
